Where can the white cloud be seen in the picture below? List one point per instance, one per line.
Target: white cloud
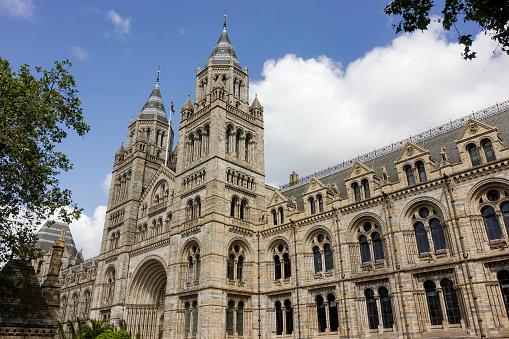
(122, 25)
(182, 31)
(105, 185)
(79, 52)
(18, 8)
(319, 113)
(87, 232)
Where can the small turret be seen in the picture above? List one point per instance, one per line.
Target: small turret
(256, 109)
(187, 109)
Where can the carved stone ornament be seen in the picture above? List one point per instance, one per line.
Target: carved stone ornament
(276, 199)
(473, 128)
(357, 170)
(410, 150)
(313, 184)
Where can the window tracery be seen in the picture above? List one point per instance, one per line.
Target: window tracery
(322, 252)
(494, 208)
(429, 234)
(235, 264)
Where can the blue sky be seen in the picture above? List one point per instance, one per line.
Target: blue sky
(333, 77)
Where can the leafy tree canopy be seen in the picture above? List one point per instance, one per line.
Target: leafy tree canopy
(36, 113)
(492, 16)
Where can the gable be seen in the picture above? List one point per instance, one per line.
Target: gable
(410, 151)
(162, 173)
(277, 198)
(474, 128)
(358, 170)
(313, 186)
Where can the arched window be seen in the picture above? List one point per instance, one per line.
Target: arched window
(195, 318)
(503, 279)
(246, 147)
(240, 268)
(333, 313)
(320, 310)
(274, 216)
(365, 186)
(488, 150)
(233, 207)
(190, 210)
(74, 306)
(243, 209)
(39, 266)
(110, 286)
(198, 267)
(474, 155)
(437, 234)
(452, 308)
(317, 259)
(240, 318)
(277, 268)
(378, 247)
(187, 323)
(237, 144)
(386, 307)
(198, 207)
(279, 318)
(421, 171)
(320, 203)
(372, 309)
(88, 298)
(191, 269)
(287, 266)
(281, 216)
(329, 264)
(64, 308)
(289, 317)
(364, 246)
(421, 238)
(491, 223)
(229, 317)
(435, 311)
(227, 143)
(410, 175)
(504, 207)
(312, 205)
(356, 191)
(231, 263)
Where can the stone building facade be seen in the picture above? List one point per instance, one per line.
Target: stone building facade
(408, 241)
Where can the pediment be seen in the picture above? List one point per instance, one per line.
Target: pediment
(162, 173)
(474, 128)
(358, 170)
(410, 151)
(313, 186)
(277, 198)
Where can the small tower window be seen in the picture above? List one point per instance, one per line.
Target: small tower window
(410, 175)
(421, 171)
(488, 151)
(474, 155)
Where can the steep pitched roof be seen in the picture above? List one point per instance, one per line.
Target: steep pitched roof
(222, 52)
(154, 107)
(21, 296)
(387, 160)
(48, 234)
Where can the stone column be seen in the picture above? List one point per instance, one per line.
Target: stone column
(445, 321)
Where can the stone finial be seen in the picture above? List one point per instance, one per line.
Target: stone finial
(385, 177)
(335, 188)
(294, 179)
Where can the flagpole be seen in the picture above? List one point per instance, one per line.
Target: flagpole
(169, 133)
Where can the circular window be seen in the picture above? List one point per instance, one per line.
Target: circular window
(236, 248)
(493, 195)
(367, 226)
(280, 247)
(423, 212)
(320, 237)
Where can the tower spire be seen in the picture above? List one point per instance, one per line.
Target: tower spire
(224, 26)
(158, 71)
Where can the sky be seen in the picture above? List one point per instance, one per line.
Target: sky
(333, 77)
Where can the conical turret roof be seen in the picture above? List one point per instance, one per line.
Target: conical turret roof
(188, 106)
(256, 104)
(154, 107)
(222, 52)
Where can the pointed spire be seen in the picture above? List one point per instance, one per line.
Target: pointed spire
(256, 104)
(154, 107)
(188, 105)
(198, 70)
(121, 150)
(223, 51)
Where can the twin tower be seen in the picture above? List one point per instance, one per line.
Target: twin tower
(178, 246)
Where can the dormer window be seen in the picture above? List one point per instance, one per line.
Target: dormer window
(474, 155)
(320, 203)
(356, 191)
(488, 150)
(410, 175)
(365, 185)
(421, 171)
(312, 205)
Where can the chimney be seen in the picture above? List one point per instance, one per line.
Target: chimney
(51, 287)
(294, 179)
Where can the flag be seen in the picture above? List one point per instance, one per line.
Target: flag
(172, 107)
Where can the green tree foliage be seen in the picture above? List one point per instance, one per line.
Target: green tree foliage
(36, 113)
(115, 335)
(96, 329)
(492, 16)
